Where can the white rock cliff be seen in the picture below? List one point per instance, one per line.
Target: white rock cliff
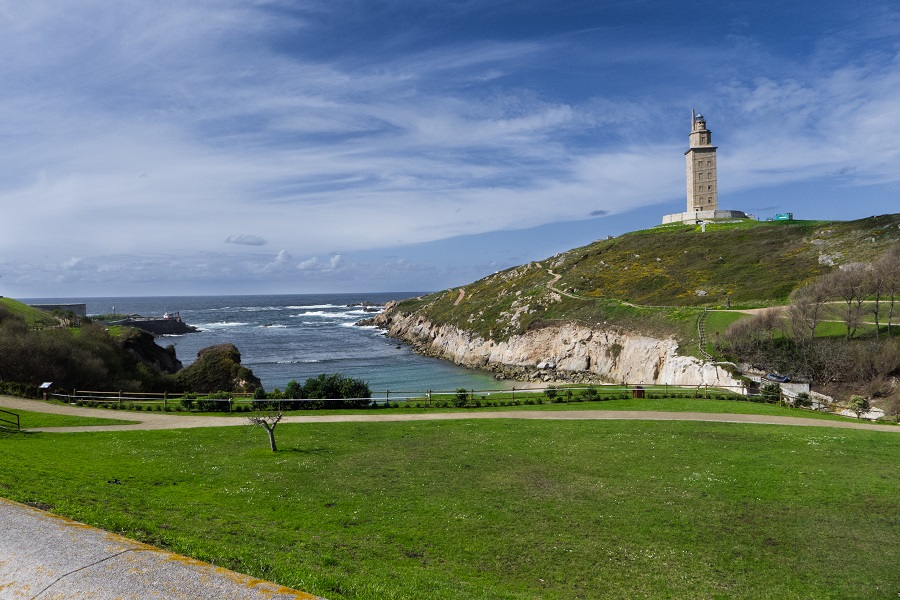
(559, 352)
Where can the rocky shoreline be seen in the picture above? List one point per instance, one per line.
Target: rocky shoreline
(567, 352)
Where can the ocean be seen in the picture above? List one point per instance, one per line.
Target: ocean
(285, 337)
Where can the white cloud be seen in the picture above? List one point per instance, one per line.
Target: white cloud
(308, 264)
(334, 262)
(246, 240)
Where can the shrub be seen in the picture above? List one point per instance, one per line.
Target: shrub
(215, 402)
(352, 393)
(293, 389)
(770, 392)
(19, 389)
(859, 405)
(803, 400)
(462, 397)
(551, 393)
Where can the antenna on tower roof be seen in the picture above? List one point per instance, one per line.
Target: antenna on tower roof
(693, 117)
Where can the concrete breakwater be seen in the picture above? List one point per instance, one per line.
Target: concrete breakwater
(157, 326)
(564, 352)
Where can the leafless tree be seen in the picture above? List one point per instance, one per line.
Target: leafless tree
(888, 269)
(849, 285)
(806, 309)
(749, 336)
(268, 423)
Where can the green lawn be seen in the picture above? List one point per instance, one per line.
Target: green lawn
(495, 509)
(718, 321)
(30, 420)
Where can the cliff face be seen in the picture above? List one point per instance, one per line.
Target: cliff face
(567, 351)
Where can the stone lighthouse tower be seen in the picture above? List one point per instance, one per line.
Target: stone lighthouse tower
(702, 187)
(700, 158)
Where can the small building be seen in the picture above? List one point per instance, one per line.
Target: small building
(784, 217)
(79, 310)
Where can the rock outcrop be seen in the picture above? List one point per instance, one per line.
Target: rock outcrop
(564, 352)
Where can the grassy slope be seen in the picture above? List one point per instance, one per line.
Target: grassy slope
(753, 263)
(33, 317)
(496, 509)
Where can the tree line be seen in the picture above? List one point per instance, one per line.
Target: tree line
(790, 340)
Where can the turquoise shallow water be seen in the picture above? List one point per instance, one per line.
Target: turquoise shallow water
(285, 337)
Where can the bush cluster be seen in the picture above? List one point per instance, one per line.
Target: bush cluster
(84, 358)
(323, 391)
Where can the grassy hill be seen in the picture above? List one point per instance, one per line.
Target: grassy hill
(32, 316)
(653, 280)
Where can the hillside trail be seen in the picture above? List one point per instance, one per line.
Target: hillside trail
(148, 421)
(551, 285)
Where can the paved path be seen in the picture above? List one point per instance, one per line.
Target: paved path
(148, 421)
(44, 556)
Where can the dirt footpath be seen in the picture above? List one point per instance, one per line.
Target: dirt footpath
(149, 421)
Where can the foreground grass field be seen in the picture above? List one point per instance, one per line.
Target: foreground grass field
(495, 509)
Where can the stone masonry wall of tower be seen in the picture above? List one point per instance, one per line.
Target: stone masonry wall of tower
(700, 161)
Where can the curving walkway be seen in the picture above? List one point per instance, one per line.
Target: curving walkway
(150, 421)
(45, 556)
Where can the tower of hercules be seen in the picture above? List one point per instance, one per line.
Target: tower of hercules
(702, 186)
(701, 168)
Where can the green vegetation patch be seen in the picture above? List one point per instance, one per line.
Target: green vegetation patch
(33, 317)
(31, 420)
(495, 509)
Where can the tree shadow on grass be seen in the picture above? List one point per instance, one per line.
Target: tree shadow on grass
(309, 450)
(7, 432)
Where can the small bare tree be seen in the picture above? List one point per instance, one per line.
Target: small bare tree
(888, 269)
(805, 311)
(849, 285)
(268, 423)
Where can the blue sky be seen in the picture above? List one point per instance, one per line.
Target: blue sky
(268, 146)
